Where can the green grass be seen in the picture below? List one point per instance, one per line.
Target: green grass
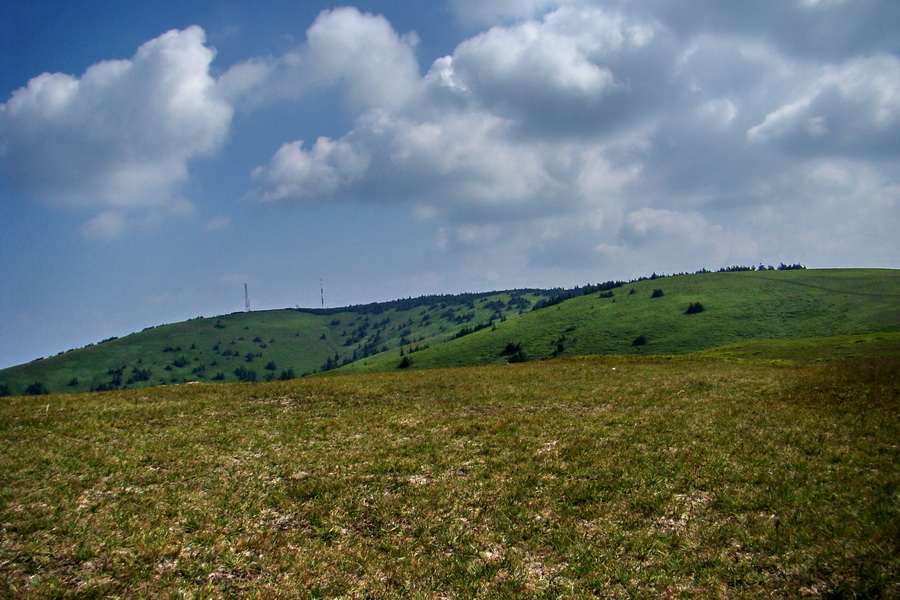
(620, 477)
(738, 308)
(809, 350)
(206, 349)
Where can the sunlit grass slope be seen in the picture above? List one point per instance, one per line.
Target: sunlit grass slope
(263, 344)
(737, 307)
(615, 477)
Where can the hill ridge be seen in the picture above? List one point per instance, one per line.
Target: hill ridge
(737, 305)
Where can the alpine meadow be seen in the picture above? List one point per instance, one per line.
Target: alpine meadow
(504, 445)
(450, 300)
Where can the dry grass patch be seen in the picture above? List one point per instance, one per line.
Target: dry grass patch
(572, 479)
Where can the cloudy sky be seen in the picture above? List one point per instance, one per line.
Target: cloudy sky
(154, 157)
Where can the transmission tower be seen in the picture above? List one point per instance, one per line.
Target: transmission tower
(322, 292)
(246, 298)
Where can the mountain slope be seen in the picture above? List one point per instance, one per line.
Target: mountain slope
(737, 307)
(263, 344)
(648, 316)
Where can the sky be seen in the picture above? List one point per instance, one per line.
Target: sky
(155, 157)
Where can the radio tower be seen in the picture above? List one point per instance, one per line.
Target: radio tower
(246, 298)
(322, 292)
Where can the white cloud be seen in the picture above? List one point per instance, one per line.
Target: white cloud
(375, 65)
(295, 173)
(568, 119)
(118, 138)
(553, 76)
(378, 67)
(574, 130)
(851, 107)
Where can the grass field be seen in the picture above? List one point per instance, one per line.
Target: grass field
(620, 477)
(738, 307)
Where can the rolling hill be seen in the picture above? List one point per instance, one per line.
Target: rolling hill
(647, 316)
(651, 317)
(261, 345)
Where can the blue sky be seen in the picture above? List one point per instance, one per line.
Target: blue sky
(156, 157)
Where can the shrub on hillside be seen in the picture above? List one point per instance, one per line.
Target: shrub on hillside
(694, 308)
(640, 340)
(36, 389)
(244, 374)
(657, 293)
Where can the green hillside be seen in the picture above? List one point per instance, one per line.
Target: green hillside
(737, 307)
(649, 316)
(263, 345)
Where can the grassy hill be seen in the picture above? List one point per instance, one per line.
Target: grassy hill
(587, 477)
(264, 344)
(641, 317)
(738, 307)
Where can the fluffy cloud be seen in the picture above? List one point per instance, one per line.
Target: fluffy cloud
(576, 132)
(118, 138)
(853, 108)
(568, 130)
(451, 140)
(322, 170)
(375, 65)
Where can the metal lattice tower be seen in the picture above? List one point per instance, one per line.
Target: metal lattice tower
(322, 292)
(246, 298)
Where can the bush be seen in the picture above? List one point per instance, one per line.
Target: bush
(657, 293)
(640, 340)
(511, 349)
(694, 308)
(245, 375)
(405, 363)
(36, 389)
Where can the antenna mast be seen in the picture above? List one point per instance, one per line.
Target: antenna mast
(322, 292)
(246, 298)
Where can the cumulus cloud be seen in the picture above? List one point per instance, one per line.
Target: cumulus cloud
(119, 137)
(575, 131)
(319, 172)
(451, 141)
(375, 64)
(558, 132)
(853, 107)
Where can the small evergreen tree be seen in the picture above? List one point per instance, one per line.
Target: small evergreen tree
(694, 308)
(640, 340)
(657, 293)
(36, 389)
(244, 374)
